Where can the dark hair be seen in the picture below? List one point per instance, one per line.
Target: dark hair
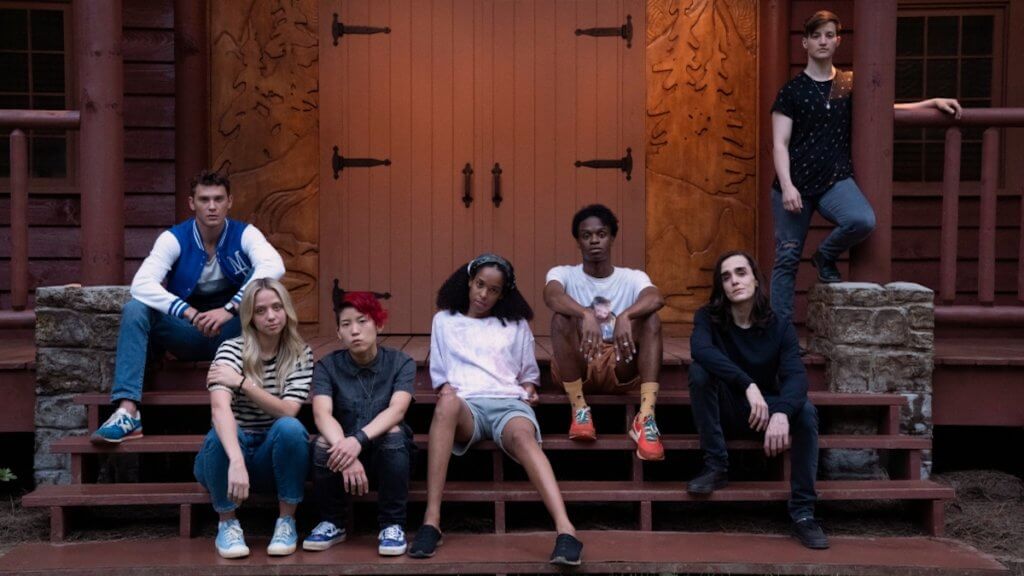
(719, 306)
(599, 211)
(819, 19)
(365, 302)
(210, 178)
(454, 294)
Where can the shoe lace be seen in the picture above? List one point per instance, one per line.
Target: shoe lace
(233, 534)
(283, 531)
(393, 532)
(583, 415)
(120, 420)
(324, 529)
(651, 431)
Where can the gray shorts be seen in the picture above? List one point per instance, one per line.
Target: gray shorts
(490, 415)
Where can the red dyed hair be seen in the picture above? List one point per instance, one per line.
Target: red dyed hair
(366, 303)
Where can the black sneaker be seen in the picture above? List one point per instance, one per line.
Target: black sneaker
(827, 271)
(568, 551)
(708, 481)
(810, 534)
(425, 544)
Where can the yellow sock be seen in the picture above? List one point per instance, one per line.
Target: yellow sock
(648, 397)
(574, 390)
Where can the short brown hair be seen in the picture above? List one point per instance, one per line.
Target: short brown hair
(210, 178)
(819, 19)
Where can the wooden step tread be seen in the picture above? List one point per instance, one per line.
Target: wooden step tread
(190, 443)
(669, 396)
(605, 551)
(509, 491)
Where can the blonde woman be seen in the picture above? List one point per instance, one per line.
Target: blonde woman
(257, 384)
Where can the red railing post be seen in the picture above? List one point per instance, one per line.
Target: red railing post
(987, 216)
(19, 220)
(950, 215)
(773, 72)
(98, 35)
(874, 90)
(191, 139)
(1020, 251)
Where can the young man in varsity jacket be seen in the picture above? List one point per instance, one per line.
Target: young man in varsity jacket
(185, 296)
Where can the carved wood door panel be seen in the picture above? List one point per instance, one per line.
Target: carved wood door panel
(484, 83)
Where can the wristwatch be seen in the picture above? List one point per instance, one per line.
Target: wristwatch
(232, 308)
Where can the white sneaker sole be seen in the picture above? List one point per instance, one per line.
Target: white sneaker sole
(280, 550)
(320, 546)
(392, 550)
(232, 553)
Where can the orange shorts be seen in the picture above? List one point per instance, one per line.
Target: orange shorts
(601, 377)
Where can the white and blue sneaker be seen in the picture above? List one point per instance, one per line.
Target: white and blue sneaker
(325, 535)
(285, 537)
(231, 540)
(391, 541)
(119, 427)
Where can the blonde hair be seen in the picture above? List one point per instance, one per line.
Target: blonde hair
(291, 347)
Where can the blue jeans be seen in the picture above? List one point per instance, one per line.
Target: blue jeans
(843, 205)
(720, 410)
(146, 333)
(275, 458)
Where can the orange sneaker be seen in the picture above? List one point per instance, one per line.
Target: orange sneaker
(582, 427)
(645, 433)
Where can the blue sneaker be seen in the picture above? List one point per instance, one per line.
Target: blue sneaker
(231, 540)
(285, 537)
(325, 535)
(391, 541)
(119, 427)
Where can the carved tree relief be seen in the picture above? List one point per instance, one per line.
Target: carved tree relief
(264, 111)
(701, 139)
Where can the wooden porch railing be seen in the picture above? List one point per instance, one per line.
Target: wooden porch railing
(986, 313)
(21, 120)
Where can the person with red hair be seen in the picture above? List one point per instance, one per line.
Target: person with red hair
(360, 396)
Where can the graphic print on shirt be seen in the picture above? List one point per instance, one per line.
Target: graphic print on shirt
(602, 308)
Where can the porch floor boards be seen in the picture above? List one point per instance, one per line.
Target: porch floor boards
(604, 552)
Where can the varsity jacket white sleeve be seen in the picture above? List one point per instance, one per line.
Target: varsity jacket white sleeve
(266, 262)
(147, 286)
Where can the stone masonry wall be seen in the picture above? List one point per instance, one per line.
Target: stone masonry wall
(76, 338)
(876, 339)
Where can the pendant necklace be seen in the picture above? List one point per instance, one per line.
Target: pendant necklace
(367, 392)
(827, 99)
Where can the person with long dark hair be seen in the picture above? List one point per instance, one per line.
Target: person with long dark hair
(484, 369)
(747, 378)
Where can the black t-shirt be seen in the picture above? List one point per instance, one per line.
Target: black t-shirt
(360, 393)
(819, 146)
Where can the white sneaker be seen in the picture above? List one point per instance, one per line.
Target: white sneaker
(231, 540)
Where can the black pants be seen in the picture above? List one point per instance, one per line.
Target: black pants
(720, 410)
(386, 461)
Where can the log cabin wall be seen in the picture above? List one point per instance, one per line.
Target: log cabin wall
(54, 210)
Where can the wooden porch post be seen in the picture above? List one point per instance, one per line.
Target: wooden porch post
(98, 33)
(874, 91)
(773, 72)
(191, 89)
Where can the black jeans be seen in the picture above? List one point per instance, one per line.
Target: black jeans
(720, 410)
(386, 461)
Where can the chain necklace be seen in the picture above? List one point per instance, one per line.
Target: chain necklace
(367, 391)
(826, 98)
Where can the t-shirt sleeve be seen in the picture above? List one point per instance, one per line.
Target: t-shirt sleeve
(230, 354)
(405, 374)
(558, 274)
(438, 366)
(297, 384)
(529, 373)
(641, 282)
(784, 101)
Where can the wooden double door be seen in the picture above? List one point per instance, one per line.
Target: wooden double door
(482, 108)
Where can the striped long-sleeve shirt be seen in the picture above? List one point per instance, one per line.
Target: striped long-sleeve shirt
(296, 385)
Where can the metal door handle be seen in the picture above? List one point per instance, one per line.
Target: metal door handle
(625, 163)
(339, 162)
(496, 197)
(625, 31)
(467, 182)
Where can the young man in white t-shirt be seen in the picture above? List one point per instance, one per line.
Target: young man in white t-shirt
(588, 357)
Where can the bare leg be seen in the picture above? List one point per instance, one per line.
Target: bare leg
(519, 438)
(452, 419)
(647, 336)
(565, 344)
(130, 406)
(286, 509)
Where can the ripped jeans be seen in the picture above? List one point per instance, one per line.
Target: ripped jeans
(843, 205)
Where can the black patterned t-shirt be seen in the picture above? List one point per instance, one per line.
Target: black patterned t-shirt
(819, 146)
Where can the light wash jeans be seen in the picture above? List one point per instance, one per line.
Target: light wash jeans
(843, 205)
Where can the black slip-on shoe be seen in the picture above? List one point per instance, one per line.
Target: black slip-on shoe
(827, 271)
(568, 551)
(425, 544)
(708, 481)
(810, 534)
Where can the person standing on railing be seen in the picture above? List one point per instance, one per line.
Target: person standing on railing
(185, 296)
(360, 396)
(747, 379)
(811, 133)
